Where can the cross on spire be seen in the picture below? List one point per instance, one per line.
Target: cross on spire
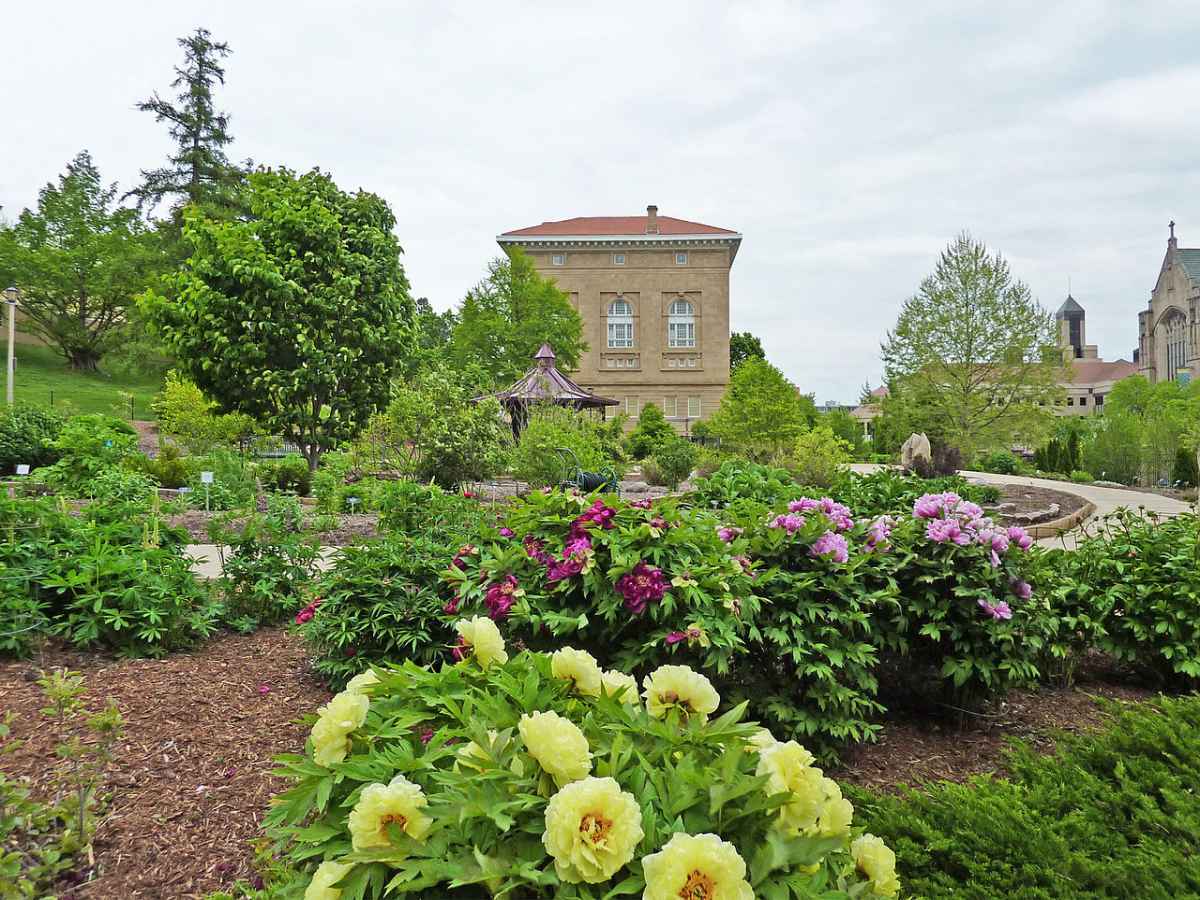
(1171, 224)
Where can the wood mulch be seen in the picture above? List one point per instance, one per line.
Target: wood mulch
(190, 780)
(191, 777)
(350, 528)
(1018, 499)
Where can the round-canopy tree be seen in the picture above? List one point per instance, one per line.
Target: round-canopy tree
(298, 315)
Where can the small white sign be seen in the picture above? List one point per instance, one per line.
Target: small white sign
(22, 468)
(206, 477)
(185, 490)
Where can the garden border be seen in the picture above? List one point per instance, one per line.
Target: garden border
(1061, 525)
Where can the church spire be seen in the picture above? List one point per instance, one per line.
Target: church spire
(1172, 242)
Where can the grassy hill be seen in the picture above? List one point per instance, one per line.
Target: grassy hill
(43, 378)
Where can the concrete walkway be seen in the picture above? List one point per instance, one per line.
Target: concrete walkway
(206, 560)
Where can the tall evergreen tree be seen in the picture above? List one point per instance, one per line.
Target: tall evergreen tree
(198, 172)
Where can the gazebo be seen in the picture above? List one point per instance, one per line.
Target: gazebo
(545, 384)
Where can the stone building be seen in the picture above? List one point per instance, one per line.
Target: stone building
(653, 293)
(1089, 378)
(1168, 343)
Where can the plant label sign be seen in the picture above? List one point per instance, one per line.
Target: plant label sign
(22, 468)
(206, 477)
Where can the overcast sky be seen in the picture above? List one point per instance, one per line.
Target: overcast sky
(848, 142)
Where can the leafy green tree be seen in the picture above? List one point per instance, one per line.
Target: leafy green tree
(975, 352)
(651, 432)
(509, 315)
(304, 343)
(79, 261)
(432, 341)
(1164, 412)
(762, 413)
(198, 172)
(742, 346)
(818, 456)
(1115, 453)
(845, 426)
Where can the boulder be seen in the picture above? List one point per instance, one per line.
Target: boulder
(916, 453)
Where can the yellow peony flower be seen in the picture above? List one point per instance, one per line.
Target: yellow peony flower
(615, 681)
(335, 720)
(876, 861)
(762, 740)
(379, 805)
(359, 683)
(837, 813)
(328, 874)
(557, 744)
(483, 637)
(579, 667)
(682, 688)
(696, 867)
(592, 830)
(789, 767)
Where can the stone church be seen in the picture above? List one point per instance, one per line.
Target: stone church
(1168, 336)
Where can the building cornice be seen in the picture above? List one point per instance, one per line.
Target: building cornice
(668, 241)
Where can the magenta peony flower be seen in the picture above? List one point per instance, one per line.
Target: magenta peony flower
(426, 736)
(728, 533)
(997, 611)
(1020, 588)
(804, 504)
(507, 532)
(642, 504)
(460, 558)
(791, 522)
(501, 596)
(830, 545)
(451, 606)
(1020, 537)
(644, 584)
(879, 533)
(675, 637)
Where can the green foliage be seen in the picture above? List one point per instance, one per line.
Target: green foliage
(818, 456)
(536, 460)
(79, 261)
(233, 483)
(185, 414)
(487, 792)
(42, 379)
(1081, 477)
(417, 509)
(1110, 815)
(1115, 452)
(329, 327)
(846, 427)
(433, 431)
(743, 346)
(290, 474)
(1184, 472)
(1157, 418)
(168, 468)
(1002, 462)
(675, 460)
(973, 353)
(761, 413)
(505, 319)
(380, 601)
(27, 435)
(121, 486)
(86, 447)
(651, 433)
(739, 479)
(267, 570)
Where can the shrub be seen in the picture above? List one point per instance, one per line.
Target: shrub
(169, 468)
(536, 459)
(290, 474)
(1112, 815)
(818, 455)
(494, 781)
(1002, 462)
(233, 483)
(87, 446)
(265, 574)
(739, 479)
(379, 602)
(419, 509)
(651, 433)
(674, 460)
(1080, 477)
(121, 486)
(27, 435)
(187, 415)
(1184, 471)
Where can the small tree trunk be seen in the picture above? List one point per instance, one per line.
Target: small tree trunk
(83, 359)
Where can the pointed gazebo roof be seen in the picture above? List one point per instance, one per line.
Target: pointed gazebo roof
(545, 384)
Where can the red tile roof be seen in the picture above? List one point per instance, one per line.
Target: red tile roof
(1090, 371)
(600, 226)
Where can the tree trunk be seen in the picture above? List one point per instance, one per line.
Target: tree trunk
(83, 359)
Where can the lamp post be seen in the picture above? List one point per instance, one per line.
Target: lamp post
(10, 294)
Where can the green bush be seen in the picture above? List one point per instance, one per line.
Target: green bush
(740, 479)
(425, 509)
(290, 474)
(1080, 477)
(27, 435)
(266, 573)
(169, 468)
(651, 433)
(536, 460)
(380, 602)
(818, 456)
(675, 460)
(87, 446)
(1113, 815)
(501, 774)
(121, 486)
(1001, 462)
(233, 485)
(187, 415)
(1183, 472)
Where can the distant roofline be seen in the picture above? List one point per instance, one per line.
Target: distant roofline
(510, 237)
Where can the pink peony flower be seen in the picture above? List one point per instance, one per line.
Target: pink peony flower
(460, 558)
(501, 596)
(879, 533)
(830, 545)
(507, 532)
(675, 637)
(1020, 537)
(641, 504)
(451, 606)
(997, 611)
(1021, 589)
(426, 736)
(791, 522)
(728, 533)
(644, 584)
(804, 504)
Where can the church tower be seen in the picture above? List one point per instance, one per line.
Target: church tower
(1072, 335)
(1168, 348)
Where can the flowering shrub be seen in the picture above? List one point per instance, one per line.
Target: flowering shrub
(508, 780)
(617, 577)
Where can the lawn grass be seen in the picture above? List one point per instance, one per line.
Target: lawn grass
(1113, 814)
(43, 378)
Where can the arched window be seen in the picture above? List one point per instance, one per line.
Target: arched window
(620, 324)
(1175, 330)
(681, 324)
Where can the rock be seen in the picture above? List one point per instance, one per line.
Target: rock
(634, 487)
(916, 452)
(1108, 484)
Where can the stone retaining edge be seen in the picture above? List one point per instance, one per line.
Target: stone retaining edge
(1055, 527)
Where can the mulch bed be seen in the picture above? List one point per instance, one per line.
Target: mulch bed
(1017, 499)
(190, 780)
(191, 777)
